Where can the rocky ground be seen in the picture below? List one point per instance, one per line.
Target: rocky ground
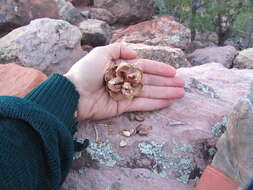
(42, 37)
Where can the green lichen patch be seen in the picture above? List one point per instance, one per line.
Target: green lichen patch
(187, 148)
(183, 148)
(155, 150)
(182, 165)
(103, 153)
(203, 88)
(219, 128)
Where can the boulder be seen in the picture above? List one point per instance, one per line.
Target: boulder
(67, 11)
(17, 80)
(179, 143)
(45, 44)
(14, 14)
(82, 2)
(95, 32)
(197, 44)
(224, 55)
(130, 11)
(162, 31)
(172, 56)
(99, 14)
(244, 59)
(235, 150)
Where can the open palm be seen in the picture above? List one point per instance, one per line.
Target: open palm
(160, 84)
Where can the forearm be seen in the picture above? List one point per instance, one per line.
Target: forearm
(36, 136)
(58, 96)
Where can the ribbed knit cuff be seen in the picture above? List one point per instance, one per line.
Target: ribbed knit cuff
(58, 96)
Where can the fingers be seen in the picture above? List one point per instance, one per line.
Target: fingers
(145, 104)
(156, 80)
(159, 92)
(120, 51)
(157, 68)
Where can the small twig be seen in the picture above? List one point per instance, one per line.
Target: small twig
(176, 123)
(96, 133)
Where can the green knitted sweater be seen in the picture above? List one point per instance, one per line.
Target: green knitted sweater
(36, 146)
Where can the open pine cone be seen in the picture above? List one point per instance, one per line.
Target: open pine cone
(123, 80)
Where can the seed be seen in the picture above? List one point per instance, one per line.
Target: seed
(131, 116)
(125, 133)
(139, 127)
(132, 131)
(139, 118)
(122, 143)
(143, 132)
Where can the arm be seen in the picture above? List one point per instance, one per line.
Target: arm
(36, 146)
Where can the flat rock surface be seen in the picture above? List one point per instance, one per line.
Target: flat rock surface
(163, 31)
(17, 80)
(172, 56)
(179, 144)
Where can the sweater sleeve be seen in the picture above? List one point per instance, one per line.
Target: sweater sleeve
(36, 146)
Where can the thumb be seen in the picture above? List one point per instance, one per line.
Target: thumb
(120, 51)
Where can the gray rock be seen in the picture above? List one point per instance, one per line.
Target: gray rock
(198, 44)
(68, 12)
(82, 2)
(130, 11)
(45, 44)
(172, 56)
(167, 158)
(14, 14)
(95, 32)
(224, 55)
(99, 14)
(235, 150)
(244, 60)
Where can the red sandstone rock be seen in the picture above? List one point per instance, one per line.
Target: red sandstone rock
(180, 142)
(172, 56)
(17, 80)
(224, 55)
(130, 11)
(162, 31)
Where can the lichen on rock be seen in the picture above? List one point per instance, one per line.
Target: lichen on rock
(103, 153)
(155, 150)
(202, 88)
(219, 128)
(181, 165)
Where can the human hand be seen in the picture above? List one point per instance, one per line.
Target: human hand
(160, 84)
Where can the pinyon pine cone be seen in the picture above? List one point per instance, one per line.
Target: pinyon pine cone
(123, 80)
